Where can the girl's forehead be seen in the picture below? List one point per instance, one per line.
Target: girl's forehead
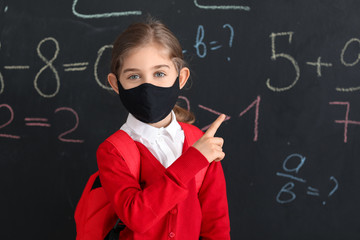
(152, 53)
(150, 48)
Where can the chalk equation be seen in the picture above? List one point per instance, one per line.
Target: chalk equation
(256, 106)
(286, 193)
(202, 48)
(318, 64)
(7, 113)
(39, 122)
(51, 67)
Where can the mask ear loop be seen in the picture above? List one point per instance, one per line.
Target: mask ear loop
(118, 82)
(178, 76)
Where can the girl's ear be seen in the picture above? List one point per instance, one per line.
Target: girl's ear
(112, 79)
(184, 76)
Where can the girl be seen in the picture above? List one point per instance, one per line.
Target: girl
(148, 71)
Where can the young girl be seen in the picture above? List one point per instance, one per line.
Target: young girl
(148, 71)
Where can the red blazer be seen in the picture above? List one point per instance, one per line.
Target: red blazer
(165, 204)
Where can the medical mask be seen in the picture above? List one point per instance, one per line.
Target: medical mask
(149, 103)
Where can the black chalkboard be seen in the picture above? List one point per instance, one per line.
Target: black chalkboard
(286, 73)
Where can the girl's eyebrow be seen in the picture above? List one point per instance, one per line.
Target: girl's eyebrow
(154, 67)
(131, 70)
(160, 66)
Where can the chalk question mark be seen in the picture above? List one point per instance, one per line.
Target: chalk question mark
(231, 36)
(335, 188)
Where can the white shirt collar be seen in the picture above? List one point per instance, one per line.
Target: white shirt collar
(149, 132)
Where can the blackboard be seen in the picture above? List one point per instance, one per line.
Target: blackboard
(286, 73)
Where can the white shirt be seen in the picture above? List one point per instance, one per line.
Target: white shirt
(164, 143)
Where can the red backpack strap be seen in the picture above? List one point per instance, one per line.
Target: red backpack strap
(82, 207)
(128, 150)
(192, 134)
(94, 215)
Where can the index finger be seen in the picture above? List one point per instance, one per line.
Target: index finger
(214, 126)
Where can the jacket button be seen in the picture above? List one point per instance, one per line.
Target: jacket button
(171, 235)
(173, 211)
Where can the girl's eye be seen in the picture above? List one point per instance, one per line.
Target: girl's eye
(159, 74)
(133, 77)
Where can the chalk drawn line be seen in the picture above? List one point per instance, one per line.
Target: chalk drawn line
(75, 64)
(221, 7)
(291, 177)
(103, 15)
(17, 67)
(75, 69)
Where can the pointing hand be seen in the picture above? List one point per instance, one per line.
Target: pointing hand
(210, 146)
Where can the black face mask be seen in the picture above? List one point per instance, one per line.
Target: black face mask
(149, 103)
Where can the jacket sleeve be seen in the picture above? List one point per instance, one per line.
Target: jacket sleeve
(214, 205)
(140, 208)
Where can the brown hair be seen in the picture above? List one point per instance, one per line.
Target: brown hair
(142, 33)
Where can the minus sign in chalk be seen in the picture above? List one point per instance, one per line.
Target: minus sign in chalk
(16, 67)
(10, 136)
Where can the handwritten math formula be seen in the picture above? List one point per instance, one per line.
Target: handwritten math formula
(40, 122)
(286, 193)
(201, 48)
(51, 68)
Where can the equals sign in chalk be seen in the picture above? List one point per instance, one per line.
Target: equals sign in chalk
(313, 191)
(37, 122)
(216, 47)
(71, 67)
